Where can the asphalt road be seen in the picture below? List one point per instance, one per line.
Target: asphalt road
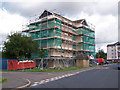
(103, 77)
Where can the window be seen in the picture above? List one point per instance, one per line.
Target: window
(74, 53)
(68, 51)
(119, 57)
(118, 50)
(118, 53)
(74, 46)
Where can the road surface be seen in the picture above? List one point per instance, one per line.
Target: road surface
(102, 77)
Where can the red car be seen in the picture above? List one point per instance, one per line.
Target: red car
(100, 61)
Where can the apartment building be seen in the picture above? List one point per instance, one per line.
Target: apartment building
(61, 37)
(113, 52)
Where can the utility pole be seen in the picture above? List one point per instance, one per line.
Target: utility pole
(23, 65)
(41, 63)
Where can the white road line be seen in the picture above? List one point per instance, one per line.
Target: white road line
(56, 78)
(63, 76)
(42, 81)
(66, 75)
(47, 79)
(59, 77)
(34, 84)
(51, 79)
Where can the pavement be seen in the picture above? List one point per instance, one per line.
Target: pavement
(17, 79)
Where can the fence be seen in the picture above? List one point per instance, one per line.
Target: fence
(13, 64)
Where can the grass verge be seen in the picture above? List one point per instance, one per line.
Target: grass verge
(53, 70)
(48, 70)
(2, 80)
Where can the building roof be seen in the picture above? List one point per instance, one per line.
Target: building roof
(117, 43)
(47, 12)
(110, 45)
(79, 21)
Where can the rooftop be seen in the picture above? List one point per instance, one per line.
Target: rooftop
(117, 43)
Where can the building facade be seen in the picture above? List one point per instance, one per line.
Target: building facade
(113, 52)
(61, 37)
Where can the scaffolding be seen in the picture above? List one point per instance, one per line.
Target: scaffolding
(61, 38)
(46, 36)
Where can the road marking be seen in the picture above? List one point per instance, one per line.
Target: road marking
(51, 79)
(58, 77)
(36, 82)
(55, 78)
(62, 76)
(102, 68)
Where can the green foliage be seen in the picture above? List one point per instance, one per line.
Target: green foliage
(0, 54)
(49, 70)
(101, 54)
(19, 46)
(2, 80)
(42, 53)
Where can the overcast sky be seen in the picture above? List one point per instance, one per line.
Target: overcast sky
(104, 15)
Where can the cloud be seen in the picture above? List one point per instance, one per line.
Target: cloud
(67, 8)
(101, 14)
(9, 22)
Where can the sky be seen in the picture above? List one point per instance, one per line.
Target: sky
(102, 14)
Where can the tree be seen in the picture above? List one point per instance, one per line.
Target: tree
(19, 46)
(42, 53)
(101, 54)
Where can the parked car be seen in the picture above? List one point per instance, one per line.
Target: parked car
(119, 66)
(106, 62)
(110, 62)
(100, 61)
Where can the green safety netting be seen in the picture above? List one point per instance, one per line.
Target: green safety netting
(74, 46)
(88, 39)
(73, 37)
(84, 46)
(46, 33)
(92, 48)
(36, 54)
(86, 31)
(45, 24)
(49, 42)
(80, 46)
